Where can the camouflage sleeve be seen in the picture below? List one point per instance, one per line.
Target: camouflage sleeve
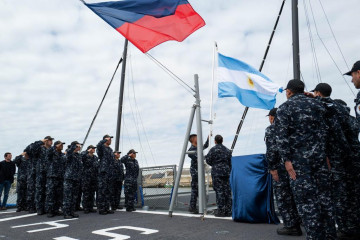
(192, 156)
(282, 141)
(271, 149)
(18, 160)
(51, 152)
(206, 145)
(124, 159)
(209, 158)
(70, 151)
(100, 148)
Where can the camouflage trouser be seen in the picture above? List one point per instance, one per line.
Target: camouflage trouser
(21, 188)
(104, 198)
(222, 189)
(353, 188)
(78, 198)
(130, 188)
(40, 193)
(285, 200)
(194, 190)
(71, 189)
(312, 195)
(30, 191)
(116, 187)
(54, 194)
(89, 186)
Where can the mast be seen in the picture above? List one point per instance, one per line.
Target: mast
(295, 36)
(121, 97)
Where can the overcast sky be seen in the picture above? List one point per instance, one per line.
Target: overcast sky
(57, 58)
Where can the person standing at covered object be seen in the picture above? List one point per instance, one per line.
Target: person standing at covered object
(219, 158)
(301, 140)
(21, 162)
(7, 171)
(89, 178)
(37, 151)
(117, 178)
(194, 172)
(55, 179)
(281, 183)
(106, 165)
(130, 183)
(73, 173)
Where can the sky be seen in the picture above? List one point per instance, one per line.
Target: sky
(57, 58)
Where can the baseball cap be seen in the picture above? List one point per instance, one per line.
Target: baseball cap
(58, 142)
(324, 88)
(49, 138)
(75, 142)
(117, 152)
(355, 68)
(107, 136)
(90, 146)
(132, 151)
(295, 85)
(192, 135)
(272, 112)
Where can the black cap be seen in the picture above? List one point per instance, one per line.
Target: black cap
(90, 146)
(272, 112)
(355, 68)
(295, 85)
(324, 88)
(192, 135)
(107, 136)
(117, 152)
(49, 138)
(58, 142)
(132, 151)
(75, 142)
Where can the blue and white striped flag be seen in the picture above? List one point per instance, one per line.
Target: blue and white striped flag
(251, 87)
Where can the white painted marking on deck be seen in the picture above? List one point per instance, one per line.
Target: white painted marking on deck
(18, 217)
(116, 236)
(53, 224)
(65, 238)
(7, 212)
(179, 214)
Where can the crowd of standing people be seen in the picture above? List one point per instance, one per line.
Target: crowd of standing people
(313, 151)
(58, 183)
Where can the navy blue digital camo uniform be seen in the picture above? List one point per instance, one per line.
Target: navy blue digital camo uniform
(219, 158)
(89, 179)
(301, 140)
(282, 190)
(106, 164)
(117, 179)
(21, 185)
(31, 179)
(55, 180)
(130, 183)
(72, 177)
(194, 175)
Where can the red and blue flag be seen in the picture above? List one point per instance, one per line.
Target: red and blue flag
(148, 23)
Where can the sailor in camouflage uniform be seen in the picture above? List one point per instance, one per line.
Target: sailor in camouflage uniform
(130, 183)
(301, 140)
(219, 158)
(38, 154)
(31, 178)
(21, 162)
(55, 179)
(106, 164)
(117, 179)
(89, 178)
(194, 172)
(73, 172)
(281, 182)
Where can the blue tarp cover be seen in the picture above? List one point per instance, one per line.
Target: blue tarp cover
(251, 187)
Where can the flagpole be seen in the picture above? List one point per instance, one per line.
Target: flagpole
(121, 97)
(260, 69)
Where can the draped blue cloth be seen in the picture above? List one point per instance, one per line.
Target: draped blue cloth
(251, 187)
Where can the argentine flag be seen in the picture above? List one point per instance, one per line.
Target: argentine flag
(251, 87)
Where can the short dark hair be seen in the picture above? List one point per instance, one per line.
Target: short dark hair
(6, 154)
(218, 139)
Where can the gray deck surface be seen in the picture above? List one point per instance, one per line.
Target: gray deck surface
(178, 227)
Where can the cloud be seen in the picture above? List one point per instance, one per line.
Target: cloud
(58, 57)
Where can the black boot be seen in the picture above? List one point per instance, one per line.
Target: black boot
(193, 210)
(51, 214)
(290, 231)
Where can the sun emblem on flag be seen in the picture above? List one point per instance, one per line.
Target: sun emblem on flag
(250, 82)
